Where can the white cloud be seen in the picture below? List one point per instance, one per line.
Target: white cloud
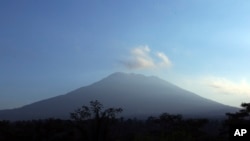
(227, 86)
(165, 61)
(141, 58)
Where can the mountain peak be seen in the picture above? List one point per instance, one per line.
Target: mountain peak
(123, 74)
(137, 94)
(134, 78)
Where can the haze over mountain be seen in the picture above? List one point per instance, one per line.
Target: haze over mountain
(138, 95)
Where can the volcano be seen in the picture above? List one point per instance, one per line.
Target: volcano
(138, 95)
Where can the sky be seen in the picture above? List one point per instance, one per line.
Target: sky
(51, 47)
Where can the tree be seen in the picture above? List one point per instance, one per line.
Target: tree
(94, 112)
(242, 115)
(100, 118)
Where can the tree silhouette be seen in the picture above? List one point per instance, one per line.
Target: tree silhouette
(81, 113)
(242, 115)
(101, 119)
(94, 112)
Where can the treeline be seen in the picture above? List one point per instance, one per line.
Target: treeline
(166, 127)
(94, 123)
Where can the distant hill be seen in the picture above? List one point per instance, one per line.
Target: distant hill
(138, 95)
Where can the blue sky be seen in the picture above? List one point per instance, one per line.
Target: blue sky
(48, 48)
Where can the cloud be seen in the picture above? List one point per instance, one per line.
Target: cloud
(141, 58)
(165, 61)
(227, 86)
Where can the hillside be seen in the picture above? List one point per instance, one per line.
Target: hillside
(138, 95)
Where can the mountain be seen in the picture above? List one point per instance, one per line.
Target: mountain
(138, 95)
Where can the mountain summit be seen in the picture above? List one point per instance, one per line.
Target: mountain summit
(138, 95)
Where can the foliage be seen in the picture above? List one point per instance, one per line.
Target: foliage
(242, 117)
(94, 123)
(94, 112)
(243, 114)
(100, 120)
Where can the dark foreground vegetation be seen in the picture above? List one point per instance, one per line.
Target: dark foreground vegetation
(95, 124)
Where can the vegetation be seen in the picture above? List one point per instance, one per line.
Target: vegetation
(234, 120)
(94, 123)
(242, 116)
(99, 120)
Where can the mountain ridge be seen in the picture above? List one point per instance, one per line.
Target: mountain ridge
(137, 94)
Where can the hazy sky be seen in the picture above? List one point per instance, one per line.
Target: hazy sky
(50, 47)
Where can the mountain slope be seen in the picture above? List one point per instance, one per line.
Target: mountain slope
(137, 94)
